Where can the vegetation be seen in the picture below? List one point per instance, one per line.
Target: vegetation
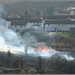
(64, 34)
(50, 11)
(21, 65)
(14, 64)
(33, 7)
(59, 40)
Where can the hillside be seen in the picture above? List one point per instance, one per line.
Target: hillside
(32, 7)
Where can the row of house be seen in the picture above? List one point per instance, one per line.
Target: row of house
(59, 23)
(48, 23)
(59, 26)
(67, 11)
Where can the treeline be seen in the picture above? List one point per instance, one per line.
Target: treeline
(14, 64)
(36, 8)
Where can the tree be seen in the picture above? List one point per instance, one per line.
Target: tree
(9, 54)
(21, 62)
(37, 13)
(39, 65)
(15, 63)
(26, 13)
(8, 59)
(50, 11)
(32, 71)
(14, 16)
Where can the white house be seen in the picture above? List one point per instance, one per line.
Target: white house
(34, 24)
(72, 10)
(49, 23)
(59, 26)
(5, 23)
(17, 26)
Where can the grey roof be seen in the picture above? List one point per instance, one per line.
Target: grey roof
(35, 20)
(36, 25)
(60, 22)
(14, 19)
(64, 12)
(59, 17)
(18, 23)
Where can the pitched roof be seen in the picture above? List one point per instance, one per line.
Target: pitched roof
(59, 17)
(22, 18)
(60, 22)
(14, 19)
(35, 17)
(35, 20)
(18, 23)
(64, 12)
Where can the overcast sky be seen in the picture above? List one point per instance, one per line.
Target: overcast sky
(32, 0)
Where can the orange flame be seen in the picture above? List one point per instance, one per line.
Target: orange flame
(45, 49)
(33, 50)
(40, 49)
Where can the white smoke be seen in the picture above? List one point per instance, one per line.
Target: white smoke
(10, 40)
(29, 39)
(62, 55)
(2, 10)
(49, 55)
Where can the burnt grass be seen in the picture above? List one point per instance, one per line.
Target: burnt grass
(26, 64)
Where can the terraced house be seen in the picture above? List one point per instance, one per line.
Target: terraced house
(55, 23)
(59, 26)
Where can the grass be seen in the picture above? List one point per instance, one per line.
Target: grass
(65, 34)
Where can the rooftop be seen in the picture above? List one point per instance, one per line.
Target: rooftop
(60, 22)
(35, 20)
(14, 19)
(59, 17)
(18, 23)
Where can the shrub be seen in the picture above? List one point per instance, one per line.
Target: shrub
(23, 72)
(32, 71)
(1, 72)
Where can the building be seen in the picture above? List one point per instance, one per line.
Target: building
(71, 10)
(34, 23)
(36, 17)
(4, 23)
(59, 17)
(59, 26)
(18, 26)
(68, 11)
(49, 23)
(62, 12)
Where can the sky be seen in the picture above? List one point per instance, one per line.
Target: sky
(32, 0)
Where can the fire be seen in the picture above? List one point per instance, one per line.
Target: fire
(44, 49)
(33, 50)
(40, 49)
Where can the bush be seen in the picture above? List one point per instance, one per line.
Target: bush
(62, 65)
(23, 72)
(32, 71)
(1, 72)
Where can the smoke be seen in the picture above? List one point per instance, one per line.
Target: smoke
(62, 55)
(29, 39)
(10, 40)
(42, 35)
(33, 45)
(2, 10)
(50, 55)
